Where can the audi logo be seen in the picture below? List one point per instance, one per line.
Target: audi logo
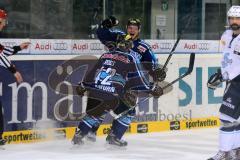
(203, 46)
(9, 44)
(60, 46)
(95, 46)
(166, 46)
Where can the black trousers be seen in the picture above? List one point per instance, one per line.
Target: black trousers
(100, 101)
(1, 120)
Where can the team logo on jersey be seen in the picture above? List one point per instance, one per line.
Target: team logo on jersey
(141, 49)
(226, 60)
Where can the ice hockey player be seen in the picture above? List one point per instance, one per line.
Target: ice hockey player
(229, 135)
(4, 62)
(108, 36)
(106, 86)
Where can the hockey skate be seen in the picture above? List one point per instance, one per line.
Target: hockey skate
(91, 137)
(231, 155)
(113, 140)
(77, 138)
(2, 142)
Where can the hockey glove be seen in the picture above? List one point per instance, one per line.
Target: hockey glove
(80, 89)
(130, 98)
(110, 22)
(157, 91)
(215, 80)
(159, 75)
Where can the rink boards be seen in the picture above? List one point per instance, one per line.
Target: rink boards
(28, 136)
(30, 107)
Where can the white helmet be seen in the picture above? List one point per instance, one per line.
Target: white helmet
(234, 11)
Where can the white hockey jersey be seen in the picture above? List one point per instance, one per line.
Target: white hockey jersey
(230, 64)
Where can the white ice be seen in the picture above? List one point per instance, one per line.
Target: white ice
(197, 144)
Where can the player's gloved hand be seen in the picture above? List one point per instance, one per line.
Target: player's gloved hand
(110, 22)
(159, 75)
(80, 89)
(130, 98)
(215, 80)
(156, 91)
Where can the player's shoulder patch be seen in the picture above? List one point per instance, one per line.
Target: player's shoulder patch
(146, 45)
(142, 46)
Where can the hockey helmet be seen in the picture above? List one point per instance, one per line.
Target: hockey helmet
(3, 14)
(234, 11)
(124, 42)
(135, 22)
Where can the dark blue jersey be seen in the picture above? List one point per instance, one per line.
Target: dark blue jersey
(108, 36)
(141, 49)
(110, 74)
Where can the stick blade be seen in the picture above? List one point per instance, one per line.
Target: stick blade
(191, 63)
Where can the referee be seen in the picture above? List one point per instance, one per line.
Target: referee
(6, 63)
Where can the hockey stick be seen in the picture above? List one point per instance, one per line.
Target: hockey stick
(177, 41)
(189, 71)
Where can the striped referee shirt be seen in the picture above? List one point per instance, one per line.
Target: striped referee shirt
(5, 52)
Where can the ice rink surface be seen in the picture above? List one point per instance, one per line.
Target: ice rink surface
(197, 144)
